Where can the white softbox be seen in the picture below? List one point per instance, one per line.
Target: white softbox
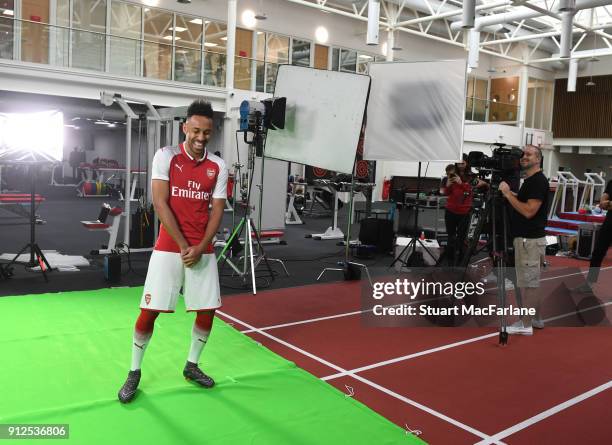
(323, 118)
(416, 111)
(31, 137)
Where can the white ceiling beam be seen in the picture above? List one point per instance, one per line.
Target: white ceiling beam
(585, 54)
(498, 4)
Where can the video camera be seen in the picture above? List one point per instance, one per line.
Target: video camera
(503, 165)
(504, 159)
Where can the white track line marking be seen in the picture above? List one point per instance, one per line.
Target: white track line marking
(348, 314)
(410, 356)
(545, 414)
(331, 317)
(450, 345)
(367, 382)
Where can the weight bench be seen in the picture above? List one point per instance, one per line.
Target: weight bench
(101, 225)
(19, 204)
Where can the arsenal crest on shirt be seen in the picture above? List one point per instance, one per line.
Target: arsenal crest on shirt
(210, 172)
(148, 298)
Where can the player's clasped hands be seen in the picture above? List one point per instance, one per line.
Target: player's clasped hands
(191, 255)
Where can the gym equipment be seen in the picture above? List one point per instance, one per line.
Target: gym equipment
(19, 203)
(292, 216)
(93, 189)
(101, 225)
(332, 232)
(567, 180)
(593, 182)
(109, 99)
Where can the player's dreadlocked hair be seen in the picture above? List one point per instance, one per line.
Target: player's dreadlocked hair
(200, 107)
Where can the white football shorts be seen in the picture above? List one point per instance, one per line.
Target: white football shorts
(167, 274)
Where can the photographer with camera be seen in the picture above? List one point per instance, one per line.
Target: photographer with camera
(528, 222)
(458, 189)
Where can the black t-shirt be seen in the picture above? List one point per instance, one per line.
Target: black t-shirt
(534, 187)
(609, 189)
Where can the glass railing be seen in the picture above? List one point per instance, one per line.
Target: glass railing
(64, 47)
(484, 110)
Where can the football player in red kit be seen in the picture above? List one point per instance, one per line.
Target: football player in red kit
(185, 181)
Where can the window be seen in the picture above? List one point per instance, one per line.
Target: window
(539, 104)
(158, 44)
(321, 57)
(300, 52)
(35, 31)
(7, 12)
(277, 53)
(125, 40)
(476, 99)
(504, 99)
(89, 34)
(188, 33)
(335, 59)
(363, 61)
(242, 61)
(260, 74)
(62, 34)
(215, 37)
(348, 60)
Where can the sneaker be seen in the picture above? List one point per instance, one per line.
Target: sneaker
(128, 390)
(509, 284)
(537, 323)
(519, 329)
(195, 374)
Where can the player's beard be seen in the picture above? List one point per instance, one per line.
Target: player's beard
(195, 152)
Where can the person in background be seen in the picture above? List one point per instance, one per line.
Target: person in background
(75, 161)
(602, 243)
(458, 189)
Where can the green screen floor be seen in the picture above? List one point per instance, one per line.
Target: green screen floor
(64, 357)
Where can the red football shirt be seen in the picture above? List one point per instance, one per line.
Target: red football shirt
(192, 185)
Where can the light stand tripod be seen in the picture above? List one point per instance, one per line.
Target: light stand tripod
(349, 268)
(415, 236)
(34, 248)
(252, 247)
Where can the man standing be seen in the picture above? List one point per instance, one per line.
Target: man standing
(602, 243)
(528, 223)
(185, 181)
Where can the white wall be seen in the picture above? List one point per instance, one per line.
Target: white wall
(578, 164)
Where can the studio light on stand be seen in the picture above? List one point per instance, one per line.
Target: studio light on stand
(16, 149)
(256, 118)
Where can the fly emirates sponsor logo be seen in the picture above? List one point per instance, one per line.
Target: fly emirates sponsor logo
(193, 191)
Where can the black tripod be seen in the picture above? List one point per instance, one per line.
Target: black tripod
(491, 211)
(37, 257)
(412, 258)
(254, 252)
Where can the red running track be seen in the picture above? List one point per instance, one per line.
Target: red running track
(453, 385)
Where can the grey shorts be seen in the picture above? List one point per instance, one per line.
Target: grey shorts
(528, 258)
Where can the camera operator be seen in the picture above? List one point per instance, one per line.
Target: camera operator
(458, 189)
(528, 222)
